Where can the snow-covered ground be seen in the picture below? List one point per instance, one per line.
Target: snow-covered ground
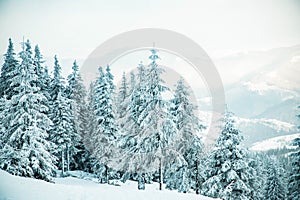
(275, 143)
(71, 188)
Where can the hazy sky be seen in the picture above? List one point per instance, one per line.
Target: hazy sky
(72, 29)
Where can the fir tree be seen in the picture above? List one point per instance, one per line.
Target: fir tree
(227, 168)
(62, 118)
(258, 169)
(76, 93)
(25, 150)
(130, 163)
(294, 176)
(188, 126)
(8, 71)
(275, 184)
(122, 102)
(153, 114)
(110, 79)
(106, 129)
(132, 82)
(148, 145)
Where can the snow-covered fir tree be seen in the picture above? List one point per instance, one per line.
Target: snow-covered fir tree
(7, 71)
(294, 175)
(151, 134)
(87, 139)
(190, 146)
(137, 99)
(76, 93)
(227, 168)
(110, 79)
(44, 79)
(258, 169)
(132, 82)
(153, 114)
(25, 150)
(3, 104)
(275, 183)
(130, 163)
(122, 102)
(62, 132)
(106, 129)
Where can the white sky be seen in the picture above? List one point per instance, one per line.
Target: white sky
(72, 29)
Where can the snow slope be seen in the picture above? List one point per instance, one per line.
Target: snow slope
(275, 143)
(70, 188)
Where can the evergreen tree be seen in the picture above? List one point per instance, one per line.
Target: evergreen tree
(8, 71)
(148, 145)
(3, 104)
(122, 102)
(188, 126)
(132, 82)
(87, 139)
(106, 129)
(294, 176)
(43, 80)
(258, 166)
(62, 118)
(76, 93)
(137, 101)
(153, 114)
(110, 79)
(275, 184)
(131, 163)
(91, 129)
(25, 150)
(40, 70)
(227, 168)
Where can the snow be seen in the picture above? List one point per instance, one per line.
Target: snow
(271, 123)
(259, 87)
(15, 188)
(275, 143)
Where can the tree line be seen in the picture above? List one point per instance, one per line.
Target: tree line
(49, 123)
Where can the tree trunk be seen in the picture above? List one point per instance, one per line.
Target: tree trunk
(160, 174)
(141, 182)
(197, 179)
(62, 162)
(68, 158)
(106, 173)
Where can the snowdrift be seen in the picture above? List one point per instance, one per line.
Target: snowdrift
(70, 188)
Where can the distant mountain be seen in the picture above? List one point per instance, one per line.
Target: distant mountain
(255, 130)
(274, 143)
(262, 88)
(259, 81)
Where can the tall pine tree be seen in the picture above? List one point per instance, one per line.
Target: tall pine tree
(188, 126)
(122, 101)
(106, 129)
(8, 71)
(62, 117)
(25, 150)
(227, 168)
(275, 184)
(76, 93)
(294, 176)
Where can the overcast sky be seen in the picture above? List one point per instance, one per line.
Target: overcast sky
(72, 29)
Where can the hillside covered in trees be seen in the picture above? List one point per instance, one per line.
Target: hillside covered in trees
(51, 125)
